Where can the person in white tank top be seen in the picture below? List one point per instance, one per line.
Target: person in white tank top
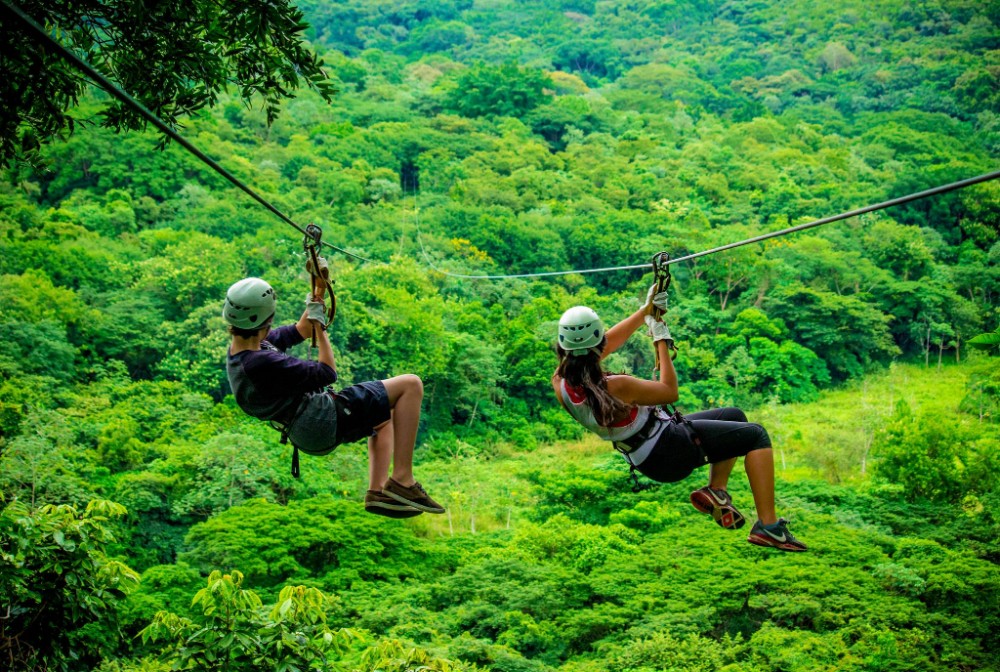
(626, 410)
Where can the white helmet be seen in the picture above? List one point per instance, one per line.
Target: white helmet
(580, 329)
(249, 303)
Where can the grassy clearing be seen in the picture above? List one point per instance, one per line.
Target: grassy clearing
(829, 439)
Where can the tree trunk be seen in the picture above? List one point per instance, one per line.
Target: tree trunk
(927, 349)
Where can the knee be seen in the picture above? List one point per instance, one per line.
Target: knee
(763, 438)
(413, 384)
(735, 414)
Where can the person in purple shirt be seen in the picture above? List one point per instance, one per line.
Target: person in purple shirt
(294, 395)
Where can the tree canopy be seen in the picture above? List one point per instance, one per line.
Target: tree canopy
(174, 59)
(147, 524)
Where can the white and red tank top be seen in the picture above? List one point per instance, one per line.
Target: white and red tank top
(575, 401)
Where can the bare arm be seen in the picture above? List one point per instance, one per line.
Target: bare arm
(633, 390)
(618, 334)
(307, 328)
(304, 326)
(557, 388)
(325, 351)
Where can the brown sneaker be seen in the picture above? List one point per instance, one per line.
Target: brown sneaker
(381, 505)
(414, 495)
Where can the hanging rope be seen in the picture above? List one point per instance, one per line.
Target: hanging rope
(50, 43)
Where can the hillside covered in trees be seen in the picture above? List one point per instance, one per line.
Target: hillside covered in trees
(148, 525)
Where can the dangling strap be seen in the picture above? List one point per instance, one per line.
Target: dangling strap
(284, 428)
(637, 485)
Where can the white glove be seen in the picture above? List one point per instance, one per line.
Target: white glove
(324, 267)
(658, 330)
(315, 311)
(656, 299)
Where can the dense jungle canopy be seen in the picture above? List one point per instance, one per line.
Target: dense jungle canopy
(148, 525)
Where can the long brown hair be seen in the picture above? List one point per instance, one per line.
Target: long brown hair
(585, 371)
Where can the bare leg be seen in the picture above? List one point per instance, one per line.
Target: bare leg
(380, 455)
(398, 436)
(718, 473)
(759, 465)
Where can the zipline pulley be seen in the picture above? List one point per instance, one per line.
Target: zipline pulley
(662, 278)
(319, 273)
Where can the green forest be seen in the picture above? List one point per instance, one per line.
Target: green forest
(147, 524)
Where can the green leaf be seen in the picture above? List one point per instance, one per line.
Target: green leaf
(986, 341)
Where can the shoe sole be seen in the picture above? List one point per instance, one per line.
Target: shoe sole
(402, 512)
(392, 506)
(767, 542)
(726, 515)
(415, 504)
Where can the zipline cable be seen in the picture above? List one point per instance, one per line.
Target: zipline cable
(51, 43)
(106, 84)
(961, 184)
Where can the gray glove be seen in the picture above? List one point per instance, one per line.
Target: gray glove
(658, 330)
(315, 311)
(656, 299)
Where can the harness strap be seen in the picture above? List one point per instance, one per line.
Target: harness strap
(695, 437)
(284, 428)
(637, 485)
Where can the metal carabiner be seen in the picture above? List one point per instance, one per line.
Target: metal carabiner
(313, 237)
(662, 278)
(661, 275)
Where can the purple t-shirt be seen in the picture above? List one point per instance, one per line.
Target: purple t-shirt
(268, 384)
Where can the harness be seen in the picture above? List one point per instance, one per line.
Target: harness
(633, 443)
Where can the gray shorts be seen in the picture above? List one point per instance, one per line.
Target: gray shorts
(325, 420)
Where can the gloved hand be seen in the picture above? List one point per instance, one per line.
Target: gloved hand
(315, 311)
(656, 299)
(658, 330)
(323, 266)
